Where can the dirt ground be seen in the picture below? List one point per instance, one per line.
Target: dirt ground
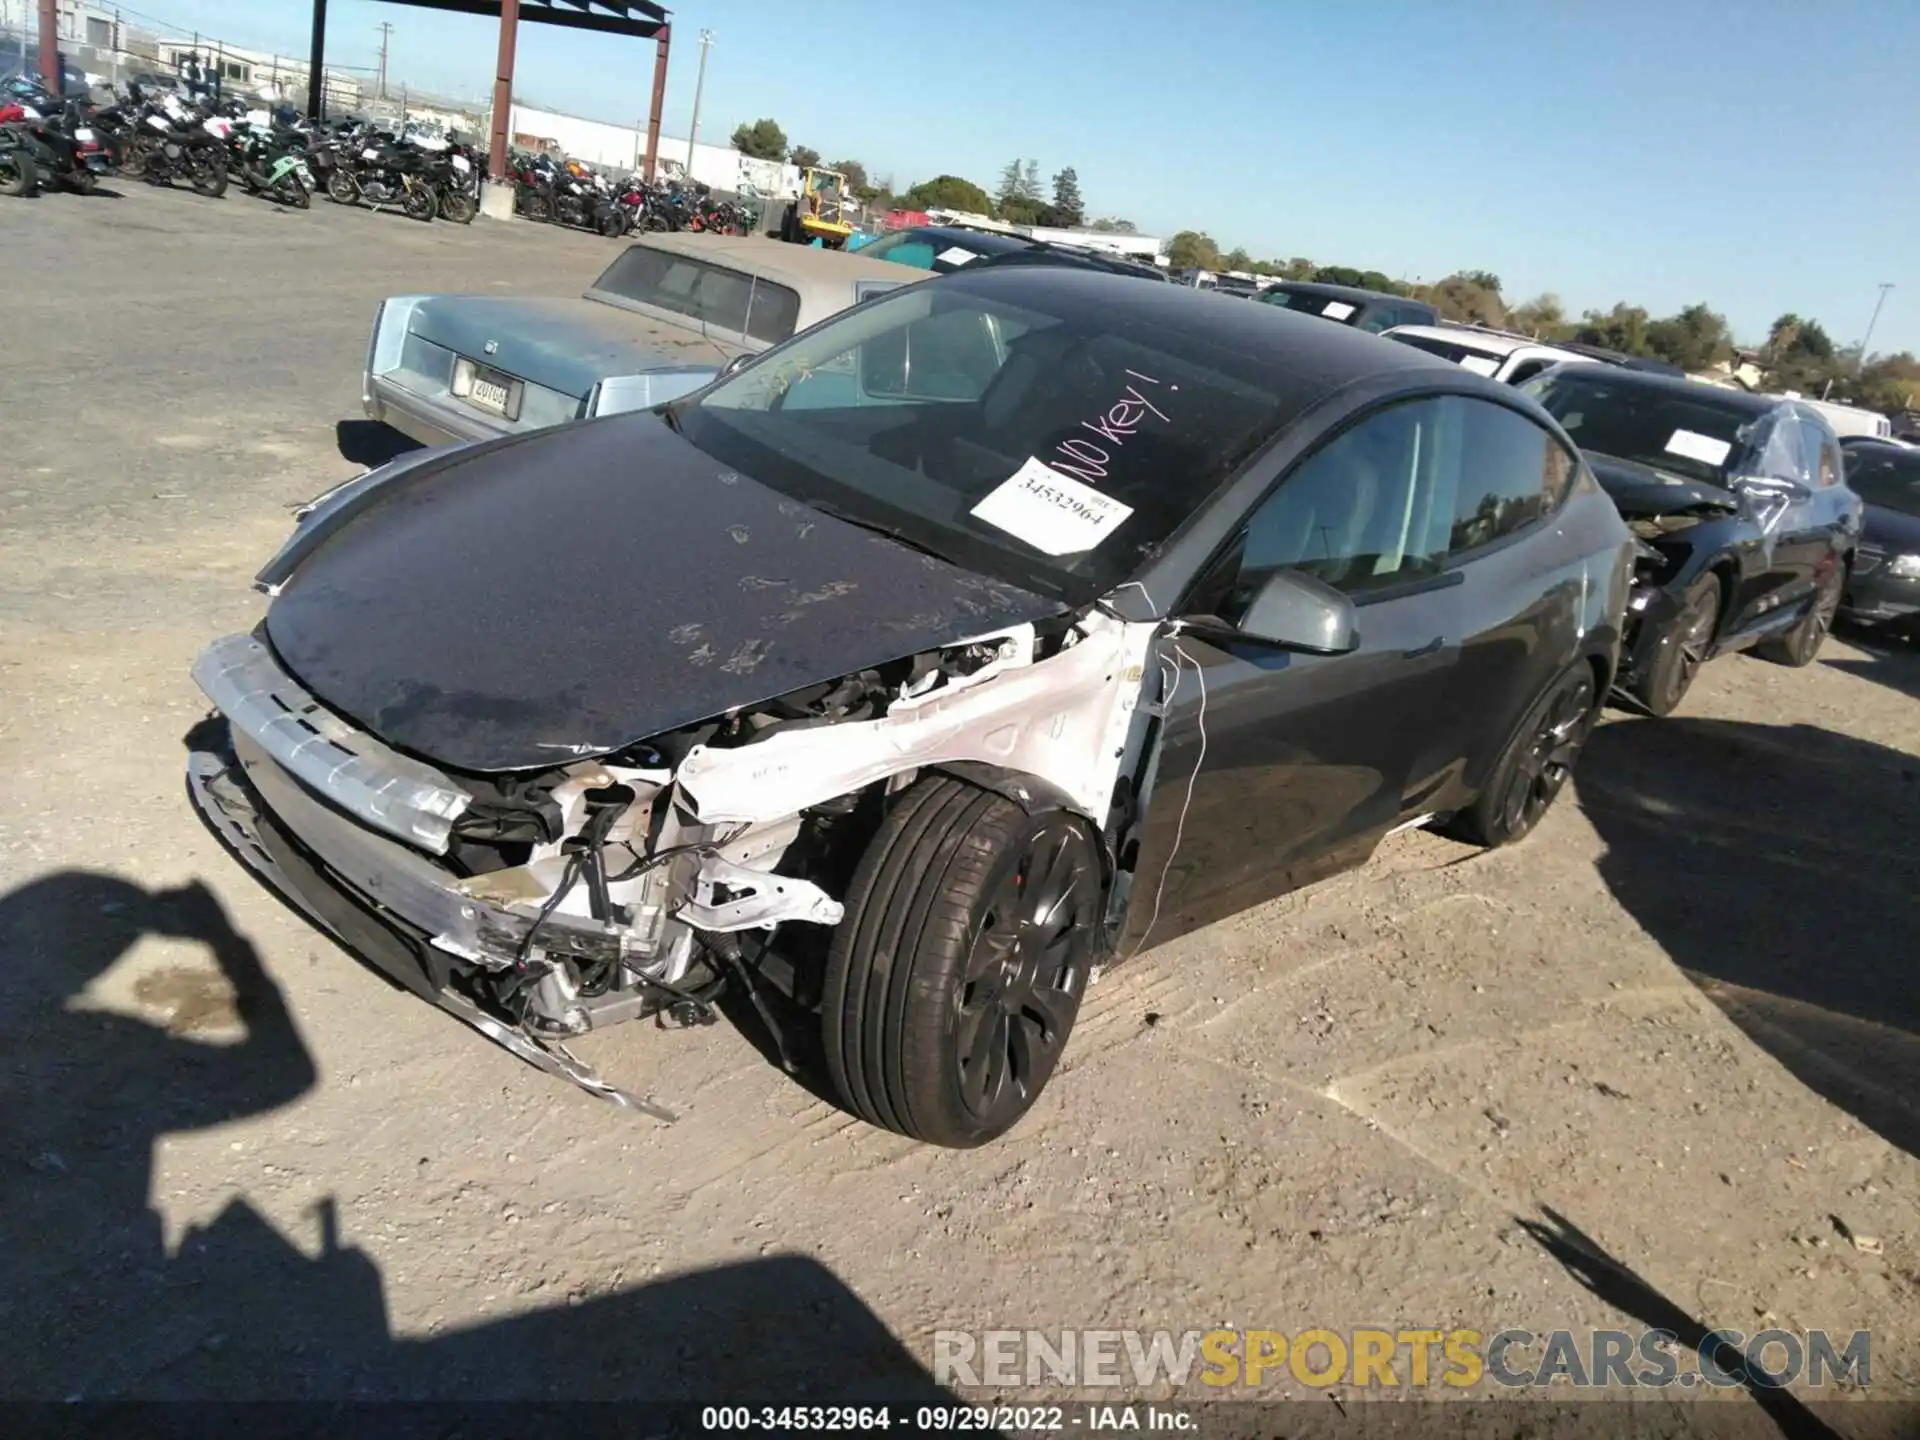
(1678, 1021)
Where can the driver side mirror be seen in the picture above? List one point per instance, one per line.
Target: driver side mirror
(1292, 611)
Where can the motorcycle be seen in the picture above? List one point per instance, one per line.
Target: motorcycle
(173, 142)
(268, 154)
(454, 174)
(18, 174)
(55, 135)
(384, 171)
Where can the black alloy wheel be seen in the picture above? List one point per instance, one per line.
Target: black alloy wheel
(1800, 645)
(1684, 648)
(420, 201)
(17, 174)
(954, 980)
(1531, 774)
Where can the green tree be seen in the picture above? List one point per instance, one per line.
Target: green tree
(1623, 328)
(1299, 268)
(949, 192)
(762, 140)
(1694, 339)
(1800, 356)
(1889, 383)
(1466, 296)
(858, 185)
(1113, 225)
(1068, 208)
(1019, 210)
(1378, 280)
(1544, 317)
(1193, 249)
(805, 156)
(1236, 259)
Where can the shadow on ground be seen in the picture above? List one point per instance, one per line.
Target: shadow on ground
(1891, 659)
(97, 1306)
(1779, 867)
(370, 442)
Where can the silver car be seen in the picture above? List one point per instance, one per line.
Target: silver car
(661, 320)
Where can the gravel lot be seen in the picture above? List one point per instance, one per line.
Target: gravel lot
(1677, 1019)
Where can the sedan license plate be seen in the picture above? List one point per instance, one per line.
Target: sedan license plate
(486, 389)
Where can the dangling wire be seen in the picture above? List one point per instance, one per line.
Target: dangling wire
(1180, 828)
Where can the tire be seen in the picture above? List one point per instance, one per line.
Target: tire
(1800, 645)
(340, 187)
(17, 175)
(208, 177)
(1535, 766)
(82, 181)
(133, 163)
(457, 206)
(299, 197)
(1684, 648)
(420, 203)
(945, 1008)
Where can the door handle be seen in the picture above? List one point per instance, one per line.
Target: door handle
(1431, 647)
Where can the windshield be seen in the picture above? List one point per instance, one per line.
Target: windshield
(1887, 478)
(710, 294)
(926, 251)
(1053, 447)
(1682, 434)
(1480, 362)
(1325, 305)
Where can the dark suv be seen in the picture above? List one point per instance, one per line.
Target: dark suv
(1745, 520)
(1370, 310)
(1883, 588)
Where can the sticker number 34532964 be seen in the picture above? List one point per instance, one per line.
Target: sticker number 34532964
(1054, 513)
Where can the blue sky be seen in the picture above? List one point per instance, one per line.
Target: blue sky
(1757, 156)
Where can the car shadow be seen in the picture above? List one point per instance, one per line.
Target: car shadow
(1617, 1285)
(99, 1306)
(371, 443)
(1779, 868)
(1892, 659)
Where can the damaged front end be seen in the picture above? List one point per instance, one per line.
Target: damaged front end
(541, 905)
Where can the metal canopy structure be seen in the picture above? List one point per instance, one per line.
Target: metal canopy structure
(640, 19)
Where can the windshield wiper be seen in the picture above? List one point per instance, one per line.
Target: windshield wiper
(828, 508)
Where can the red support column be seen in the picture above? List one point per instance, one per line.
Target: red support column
(659, 100)
(50, 48)
(503, 90)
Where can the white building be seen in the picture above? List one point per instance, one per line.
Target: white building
(244, 71)
(624, 147)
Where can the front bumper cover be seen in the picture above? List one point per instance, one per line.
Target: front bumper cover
(233, 807)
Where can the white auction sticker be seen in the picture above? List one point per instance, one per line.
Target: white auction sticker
(1054, 513)
(955, 255)
(1337, 309)
(1695, 446)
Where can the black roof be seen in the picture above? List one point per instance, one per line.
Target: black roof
(1302, 357)
(1340, 292)
(1747, 402)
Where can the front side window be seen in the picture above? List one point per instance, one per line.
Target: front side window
(1053, 444)
(1395, 499)
(1819, 449)
(1526, 370)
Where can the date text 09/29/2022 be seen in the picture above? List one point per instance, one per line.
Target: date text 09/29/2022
(981, 1419)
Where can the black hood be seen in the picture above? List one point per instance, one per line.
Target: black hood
(1891, 529)
(571, 592)
(1642, 490)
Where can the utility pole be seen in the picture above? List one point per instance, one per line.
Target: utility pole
(386, 30)
(1885, 286)
(699, 84)
(49, 48)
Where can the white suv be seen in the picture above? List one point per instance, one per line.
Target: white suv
(1494, 353)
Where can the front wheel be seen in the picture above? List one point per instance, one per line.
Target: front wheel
(340, 187)
(1798, 646)
(81, 180)
(1684, 648)
(1535, 767)
(457, 206)
(955, 978)
(17, 175)
(209, 176)
(298, 196)
(420, 203)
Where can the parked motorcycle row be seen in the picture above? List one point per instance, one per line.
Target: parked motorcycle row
(573, 194)
(206, 143)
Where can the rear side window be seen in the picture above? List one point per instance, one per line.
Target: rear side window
(711, 294)
(1512, 473)
(1821, 453)
(1526, 370)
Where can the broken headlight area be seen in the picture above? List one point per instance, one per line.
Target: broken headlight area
(644, 882)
